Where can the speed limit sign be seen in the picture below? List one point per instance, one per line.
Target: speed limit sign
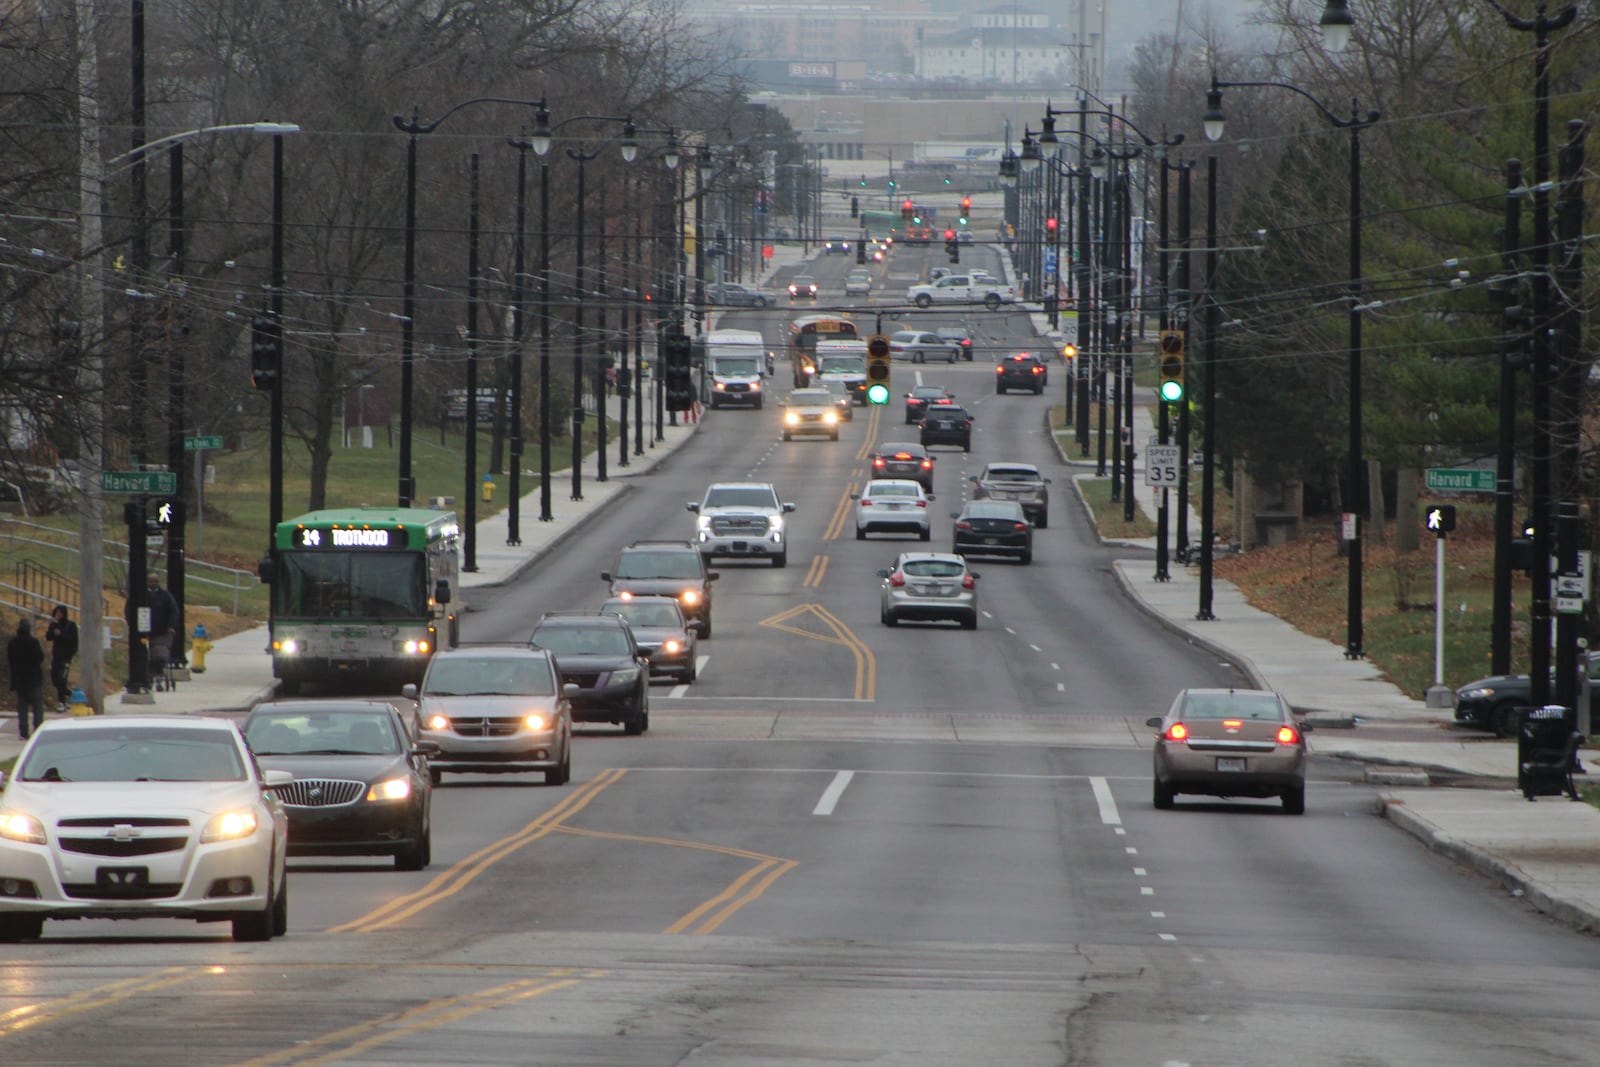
(1161, 466)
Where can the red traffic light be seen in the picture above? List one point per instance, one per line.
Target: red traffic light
(966, 202)
(1051, 224)
(906, 206)
(949, 235)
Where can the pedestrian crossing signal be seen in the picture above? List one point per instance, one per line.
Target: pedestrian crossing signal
(1441, 519)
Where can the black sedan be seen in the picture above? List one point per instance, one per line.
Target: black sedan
(598, 654)
(922, 397)
(992, 528)
(948, 424)
(361, 784)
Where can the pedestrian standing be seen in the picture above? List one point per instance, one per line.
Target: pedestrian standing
(163, 625)
(63, 637)
(25, 658)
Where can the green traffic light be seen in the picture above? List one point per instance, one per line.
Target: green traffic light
(877, 393)
(1171, 391)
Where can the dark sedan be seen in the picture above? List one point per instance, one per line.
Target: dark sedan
(948, 424)
(661, 632)
(598, 654)
(992, 528)
(903, 459)
(923, 397)
(360, 784)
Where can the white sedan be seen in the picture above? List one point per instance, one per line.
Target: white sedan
(142, 816)
(894, 504)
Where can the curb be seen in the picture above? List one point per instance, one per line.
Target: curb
(1226, 655)
(1509, 875)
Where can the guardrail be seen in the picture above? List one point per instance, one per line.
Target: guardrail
(196, 572)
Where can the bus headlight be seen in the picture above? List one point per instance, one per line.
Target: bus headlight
(288, 646)
(416, 648)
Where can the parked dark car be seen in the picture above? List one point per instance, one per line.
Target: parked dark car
(361, 785)
(1492, 703)
(597, 653)
(992, 528)
(948, 424)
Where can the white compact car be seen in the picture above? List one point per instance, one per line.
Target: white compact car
(142, 816)
(896, 505)
(810, 411)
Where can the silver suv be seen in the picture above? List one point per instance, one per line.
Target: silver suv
(496, 709)
(742, 519)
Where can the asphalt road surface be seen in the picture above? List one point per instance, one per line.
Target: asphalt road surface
(851, 844)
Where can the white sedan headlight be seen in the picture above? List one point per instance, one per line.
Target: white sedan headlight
(390, 789)
(229, 826)
(536, 722)
(775, 522)
(831, 418)
(791, 418)
(15, 826)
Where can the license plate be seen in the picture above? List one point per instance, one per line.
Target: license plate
(1230, 763)
(991, 540)
(115, 879)
(895, 507)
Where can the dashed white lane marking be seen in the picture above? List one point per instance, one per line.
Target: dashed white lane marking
(986, 614)
(1168, 937)
(1130, 850)
(1158, 915)
(1061, 687)
(682, 689)
(1139, 872)
(831, 795)
(1055, 666)
(1103, 800)
(1036, 648)
(1146, 891)
(1010, 631)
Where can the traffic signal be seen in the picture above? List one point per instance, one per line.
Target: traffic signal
(266, 351)
(907, 209)
(855, 207)
(861, 250)
(863, 181)
(1069, 351)
(1050, 225)
(163, 515)
(1170, 365)
(676, 376)
(952, 247)
(877, 369)
(1441, 519)
(966, 210)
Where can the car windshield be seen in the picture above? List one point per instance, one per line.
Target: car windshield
(582, 640)
(946, 411)
(1257, 706)
(746, 497)
(934, 568)
(891, 489)
(1014, 474)
(646, 613)
(994, 509)
(928, 391)
(473, 676)
(748, 366)
(837, 388)
(651, 564)
(803, 280)
(135, 754)
(803, 397)
(325, 733)
(841, 364)
(860, 276)
(900, 451)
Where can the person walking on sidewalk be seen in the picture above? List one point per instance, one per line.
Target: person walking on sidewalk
(163, 626)
(25, 658)
(63, 637)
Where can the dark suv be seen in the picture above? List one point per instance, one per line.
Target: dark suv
(1021, 370)
(947, 424)
(597, 653)
(666, 568)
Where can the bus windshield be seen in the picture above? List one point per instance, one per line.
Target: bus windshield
(351, 585)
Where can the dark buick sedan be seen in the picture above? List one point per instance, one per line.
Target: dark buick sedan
(992, 528)
(360, 784)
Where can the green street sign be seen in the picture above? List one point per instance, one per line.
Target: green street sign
(151, 483)
(196, 444)
(1464, 479)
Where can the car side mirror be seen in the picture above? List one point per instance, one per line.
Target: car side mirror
(1305, 727)
(855, 496)
(570, 690)
(264, 570)
(712, 576)
(409, 690)
(788, 508)
(932, 497)
(883, 573)
(276, 779)
(426, 748)
(605, 576)
(692, 506)
(1154, 720)
(974, 575)
(696, 627)
(955, 514)
(441, 592)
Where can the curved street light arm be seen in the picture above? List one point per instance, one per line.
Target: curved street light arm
(1050, 113)
(417, 126)
(1539, 23)
(1354, 122)
(175, 138)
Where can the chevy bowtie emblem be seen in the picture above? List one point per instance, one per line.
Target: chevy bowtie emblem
(124, 833)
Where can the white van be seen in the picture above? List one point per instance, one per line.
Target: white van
(843, 361)
(735, 360)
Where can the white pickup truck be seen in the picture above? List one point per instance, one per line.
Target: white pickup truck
(963, 289)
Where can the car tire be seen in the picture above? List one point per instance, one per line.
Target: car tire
(562, 774)
(781, 559)
(834, 436)
(1161, 796)
(15, 926)
(761, 302)
(1044, 520)
(289, 687)
(967, 447)
(1026, 558)
(280, 908)
(889, 619)
(705, 630)
(435, 776)
(255, 925)
(992, 302)
(999, 390)
(687, 677)
(924, 535)
(415, 858)
(861, 535)
(760, 403)
(916, 357)
(1038, 390)
(1294, 800)
(1505, 720)
(970, 622)
(786, 436)
(923, 300)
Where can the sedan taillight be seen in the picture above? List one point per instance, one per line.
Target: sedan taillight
(1019, 526)
(967, 582)
(877, 462)
(1177, 732)
(1288, 735)
(963, 525)
(927, 464)
(897, 579)
(922, 503)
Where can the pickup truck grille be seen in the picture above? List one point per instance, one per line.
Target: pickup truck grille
(739, 525)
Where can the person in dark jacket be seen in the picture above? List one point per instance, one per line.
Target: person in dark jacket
(63, 637)
(163, 626)
(25, 657)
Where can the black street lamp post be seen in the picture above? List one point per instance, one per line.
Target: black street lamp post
(1354, 124)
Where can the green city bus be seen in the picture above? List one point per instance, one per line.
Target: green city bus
(361, 593)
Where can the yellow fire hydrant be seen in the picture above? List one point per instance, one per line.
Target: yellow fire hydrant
(488, 488)
(78, 704)
(198, 647)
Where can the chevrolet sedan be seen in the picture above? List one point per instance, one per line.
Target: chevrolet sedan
(1230, 743)
(1021, 482)
(142, 816)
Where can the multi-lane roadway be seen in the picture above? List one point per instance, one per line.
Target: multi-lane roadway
(851, 844)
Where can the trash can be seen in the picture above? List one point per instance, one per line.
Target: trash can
(1547, 751)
